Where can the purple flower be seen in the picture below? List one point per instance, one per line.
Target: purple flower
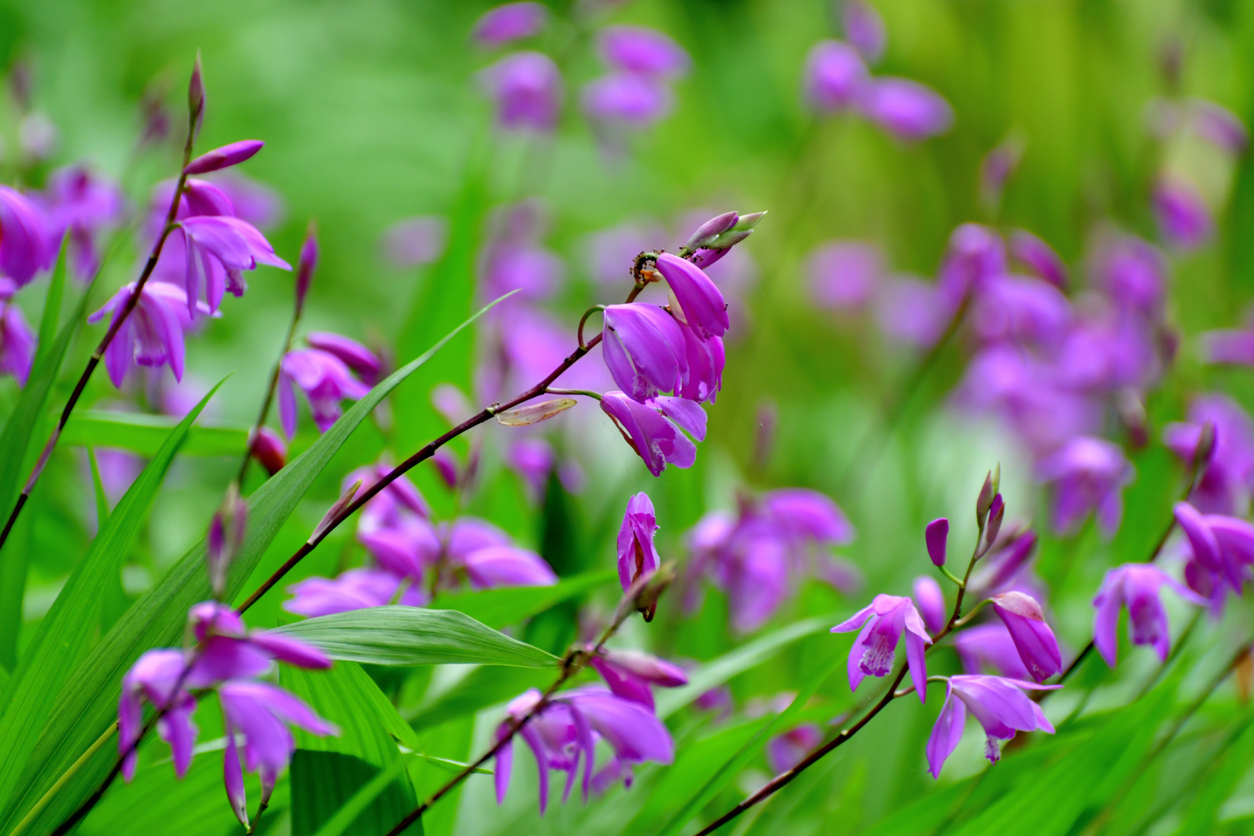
(914, 311)
(566, 729)
(882, 624)
(495, 566)
(642, 51)
(533, 460)
(229, 651)
(865, 29)
(905, 108)
(636, 553)
(803, 515)
(520, 265)
(1137, 586)
(1220, 126)
(412, 242)
(702, 379)
(526, 88)
(1133, 272)
(251, 201)
(629, 674)
(355, 355)
(976, 255)
(405, 551)
(82, 203)
(219, 249)
(153, 677)
(1226, 478)
(695, 300)
(261, 712)
(391, 507)
(936, 535)
(305, 266)
(355, 589)
(929, 600)
(1031, 635)
(627, 99)
(325, 380)
(1182, 215)
(1038, 257)
(655, 438)
(644, 350)
(153, 334)
(1087, 474)
(834, 76)
(785, 751)
(1233, 346)
(996, 169)
(1222, 545)
(224, 157)
(23, 248)
(986, 646)
(1023, 310)
(999, 705)
(17, 341)
(844, 275)
(508, 23)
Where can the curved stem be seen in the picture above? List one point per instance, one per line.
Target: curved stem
(583, 319)
(268, 401)
(587, 393)
(114, 326)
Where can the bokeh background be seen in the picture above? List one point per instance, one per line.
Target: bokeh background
(371, 114)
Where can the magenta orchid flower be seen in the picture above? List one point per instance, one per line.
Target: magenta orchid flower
(999, 705)
(865, 29)
(834, 76)
(652, 431)
(929, 600)
(1137, 586)
(153, 678)
(508, 23)
(1087, 474)
(908, 110)
(526, 88)
(1182, 215)
(644, 349)
(1222, 549)
(153, 334)
(495, 566)
(785, 751)
(356, 356)
(636, 553)
(695, 300)
(81, 203)
(630, 674)
(356, 589)
(17, 341)
(326, 381)
(219, 249)
(1032, 637)
(882, 624)
(642, 51)
(23, 248)
(989, 646)
(703, 377)
(1038, 257)
(224, 157)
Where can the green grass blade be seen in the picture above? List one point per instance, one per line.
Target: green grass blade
(143, 434)
(499, 608)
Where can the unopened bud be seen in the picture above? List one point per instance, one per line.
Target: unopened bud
(446, 466)
(308, 263)
(709, 231)
(196, 97)
(748, 222)
(226, 538)
(269, 450)
(645, 590)
(937, 536)
(525, 416)
(334, 512)
(984, 500)
(224, 157)
(997, 510)
(730, 239)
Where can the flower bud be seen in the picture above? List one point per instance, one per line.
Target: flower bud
(937, 534)
(308, 263)
(196, 98)
(224, 157)
(446, 466)
(269, 450)
(984, 500)
(996, 511)
(711, 230)
(1205, 450)
(748, 222)
(648, 588)
(226, 538)
(333, 512)
(525, 416)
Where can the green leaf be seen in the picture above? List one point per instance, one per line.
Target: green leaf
(15, 456)
(360, 800)
(86, 705)
(715, 673)
(143, 434)
(415, 636)
(65, 634)
(328, 771)
(509, 605)
(479, 689)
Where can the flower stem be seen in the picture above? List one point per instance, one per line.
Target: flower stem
(268, 401)
(114, 326)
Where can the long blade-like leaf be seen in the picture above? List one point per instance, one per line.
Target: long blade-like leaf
(143, 434)
(64, 636)
(87, 704)
(509, 605)
(415, 636)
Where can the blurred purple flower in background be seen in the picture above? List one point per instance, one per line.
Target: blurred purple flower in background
(1038, 257)
(83, 204)
(326, 381)
(1182, 215)
(1086, 475)
(929, 600)
(24, 250)
(865, 29)
(845, 275)
(907, 109)
(642, 51)
(17, 341)
(785, 751)
(984, 646)
(153, 334)
(1137, 586)
(1226, 477)
(508, 23)
(834, 76)
(412, 242)
(627, 99)
(526, 88)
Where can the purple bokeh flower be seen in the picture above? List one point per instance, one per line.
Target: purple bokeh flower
(913, 311)
(642, 51)
(1038, 257)
(526, 88)
(1137, 586)
(356, 356)
(17, 341)
(1032, 637)
(1026, 311)
(355, 589)
(786, 750)
(508, 23)
(1087, 474)
(325, 380)
(865, 29)
(999, 705)
(1225, 480)
(631, 674)
(834, 76)
(82, 203)
(153, 334)
(1222, 552)
(1219, 126)
(844, 275)
(411, 242)
(974, 257)
(905, 108)
(1132, 272)
(882, 623)
(24, 250)
(1182, 215)
(626, 99)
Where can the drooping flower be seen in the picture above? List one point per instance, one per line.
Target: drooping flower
(882, 624)
(219, 249)
(637, 554)
(17, 341)
(844, 275)
(526, 88)
(642, 51)
(1031, 635)
(785, 751)
(905, 108)
(929, 600)
(1222, 550)
(228, 650)
(356, 356)
(355, 589)
(23, 248)
(508, 23)
(153, 334)
(630, 674)
(865, 29)
(495, 566)
(325, 380)
(984, 646)
(1038, 257)
(652, 435)
(261, 713)
(1087, 474)
(566, 729)
(1000, 706)
(695, 300)
(644, 350)
(154, 678)
(82, 203)
(1226, 477)
(702, 376)
(1182, 215)
(1136, 585)
(834, 76)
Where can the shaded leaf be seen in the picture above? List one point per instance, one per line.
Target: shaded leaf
(502, 607)
(142, 433)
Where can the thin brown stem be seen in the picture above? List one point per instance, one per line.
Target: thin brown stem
(268, 401)
(114, 326)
